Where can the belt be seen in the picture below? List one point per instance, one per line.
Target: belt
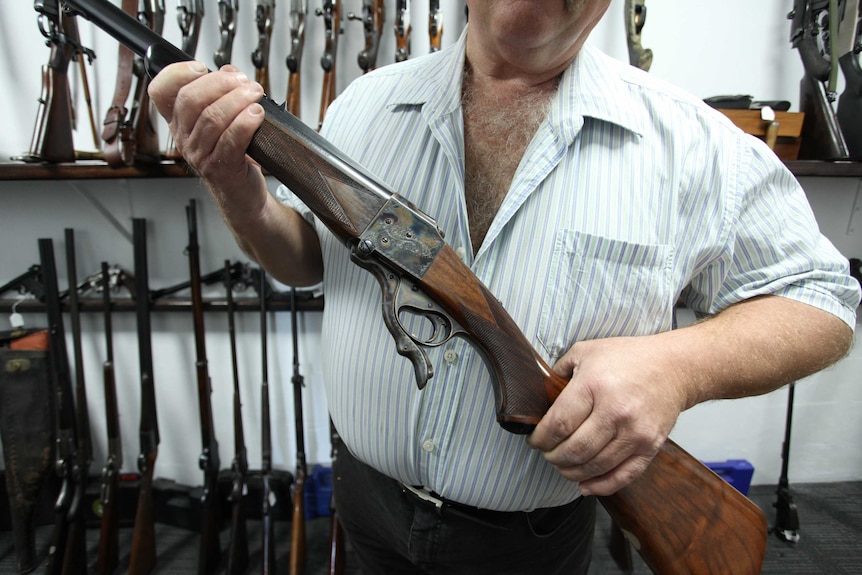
(444, 508)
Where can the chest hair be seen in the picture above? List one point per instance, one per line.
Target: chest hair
(497, 129)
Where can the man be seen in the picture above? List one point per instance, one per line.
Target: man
(589, 197)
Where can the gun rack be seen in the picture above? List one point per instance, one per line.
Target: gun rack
(278, 302)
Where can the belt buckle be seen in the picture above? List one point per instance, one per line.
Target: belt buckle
(426, 496)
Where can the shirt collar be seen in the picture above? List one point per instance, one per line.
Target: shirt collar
(594, 86)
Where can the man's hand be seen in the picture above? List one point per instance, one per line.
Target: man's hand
(212, 117)
(609, 422)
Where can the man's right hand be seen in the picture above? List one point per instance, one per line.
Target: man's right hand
(212, 117)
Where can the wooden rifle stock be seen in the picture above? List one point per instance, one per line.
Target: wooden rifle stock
(435, 25)
(331, 13)
(297, 535)
(404, 249)
(109, 547)
(264, 16)
(293, 61)
(237, 555)
(143, 553)
(402, 30)
(268, 496)
(209, 549)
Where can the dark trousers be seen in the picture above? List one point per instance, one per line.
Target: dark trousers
(393, 532)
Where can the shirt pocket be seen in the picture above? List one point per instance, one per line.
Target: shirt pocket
(600, 287)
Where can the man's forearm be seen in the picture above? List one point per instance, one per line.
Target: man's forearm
(755, 347)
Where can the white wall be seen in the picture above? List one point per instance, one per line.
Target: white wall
(741, 48)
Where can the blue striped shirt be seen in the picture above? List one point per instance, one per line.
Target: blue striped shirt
(632, 195)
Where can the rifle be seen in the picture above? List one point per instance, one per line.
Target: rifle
(821, 136)
(404, 250)
(634, 12)
(237, 556)
(209, 549)
(52, 139)
(264, 16)
(268, 495)
(117, 130)
(143, 554)
(235, 274)
(402, 30)
(189, 16)
(297, 535)
(28, 282)
(298, 10)
(786, 517)
(75, 557)
(849, 112)
(78, 56)
(227, 11)
(372, 18)
(435, 25)
(331, 13)
(109, 547)
(144, 115)
(66, 453)
(335, 561)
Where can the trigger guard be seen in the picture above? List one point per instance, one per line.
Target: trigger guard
(405, 345)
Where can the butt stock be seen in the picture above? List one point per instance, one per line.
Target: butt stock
(331, 13)
(298, 12)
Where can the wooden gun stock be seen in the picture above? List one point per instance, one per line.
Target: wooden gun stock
(143, 554)
(367, 216)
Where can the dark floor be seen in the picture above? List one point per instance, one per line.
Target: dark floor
(830, 517)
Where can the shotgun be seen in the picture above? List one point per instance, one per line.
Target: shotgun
(227, 11)
(28, 282)
(372, 18)
(209, 550)
(264, 16)
(293, 61)
(190, 14)
(109, 549)
(143, 553)
(297, 534)
(144, 115)
(702, 522)
(237, 556)
(267, 494)
(66, 436)
(75, 559)
(435, 25)
(331, 13)
(634, 13)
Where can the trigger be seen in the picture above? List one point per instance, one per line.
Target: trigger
(389, 282)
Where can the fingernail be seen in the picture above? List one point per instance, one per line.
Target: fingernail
(255, 110)
(585, 492)
(197, 66)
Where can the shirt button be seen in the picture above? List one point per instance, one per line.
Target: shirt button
(428, 445)
(461, 252)
(450, 356)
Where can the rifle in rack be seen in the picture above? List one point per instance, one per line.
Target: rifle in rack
(634, 13)
(190, 13)
(267, 494)
(665, 509)
(236, 274)
(83, 57)
(143, 554)
(53, 139)
(109, 545)
(435, 25)
(297, 534)
(75, 556)
(67, 440)
(264, 16)
(237, 556)
(209, 550)
(821, 136)
(372, 18)
(144, 115)
(331, 13)
(402, 30)
(28, 282)
(227, 11)
(849, 46)
(293, 61)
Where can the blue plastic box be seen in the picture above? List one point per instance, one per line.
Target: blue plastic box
(737, 472)
(318, 492)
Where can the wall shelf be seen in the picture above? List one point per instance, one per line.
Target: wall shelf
(277, 303)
